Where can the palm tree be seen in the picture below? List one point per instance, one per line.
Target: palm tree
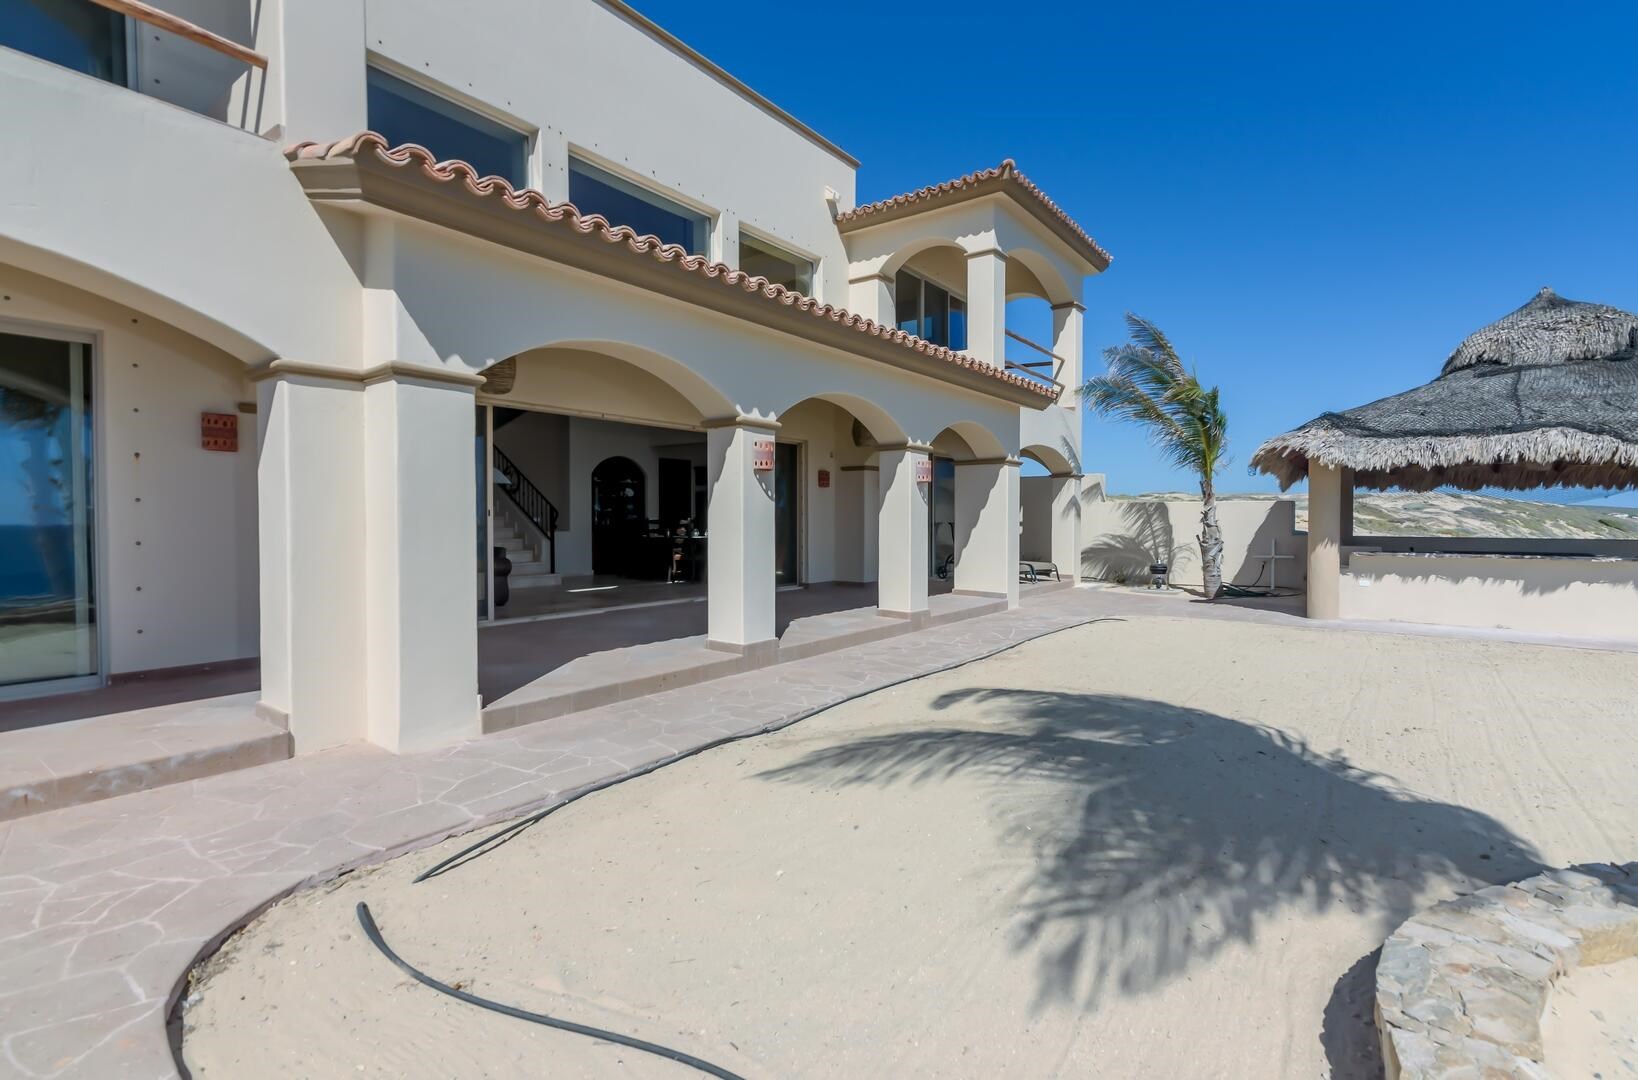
(1147, 384)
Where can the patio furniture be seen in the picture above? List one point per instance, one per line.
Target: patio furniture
(1031, 570)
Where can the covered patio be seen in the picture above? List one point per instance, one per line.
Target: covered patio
(1545, 397)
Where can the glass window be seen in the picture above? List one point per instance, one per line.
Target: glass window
(907, 302)
(594, 191)
(405, 113)
(929, 311)
(48, 622)
(778, 266)
(74, 33)
(935, 314)
(958, 323)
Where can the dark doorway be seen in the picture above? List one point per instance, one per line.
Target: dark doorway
(676, 491)
(787, 514)
(618, 515)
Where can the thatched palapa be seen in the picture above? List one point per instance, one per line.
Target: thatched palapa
(1544, 397)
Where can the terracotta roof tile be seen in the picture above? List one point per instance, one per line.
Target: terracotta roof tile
(1006, 172)
(530, 201)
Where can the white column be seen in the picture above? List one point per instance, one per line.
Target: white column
(987, 306)
(1324, 541)
(367, 513)
(1067, 335)
(419, 561)
(872, 298)
(310, 541)
(986, 515)
(902, 533)
(1066, 524)
(740, 541)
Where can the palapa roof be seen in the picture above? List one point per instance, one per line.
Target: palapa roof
(1544, 397)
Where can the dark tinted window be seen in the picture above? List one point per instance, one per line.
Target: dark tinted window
(907, 302)
(778, 266)
(404, 113)
(74, 33)
(594, 191)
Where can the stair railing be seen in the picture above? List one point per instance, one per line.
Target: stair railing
(532, 502)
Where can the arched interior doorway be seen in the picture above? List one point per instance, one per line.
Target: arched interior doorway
(619, 513)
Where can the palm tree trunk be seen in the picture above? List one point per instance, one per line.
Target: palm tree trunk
(1211, 542)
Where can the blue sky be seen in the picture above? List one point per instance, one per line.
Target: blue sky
(1316, 201)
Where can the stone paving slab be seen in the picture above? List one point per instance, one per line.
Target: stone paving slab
(79, 761)
(104, 907)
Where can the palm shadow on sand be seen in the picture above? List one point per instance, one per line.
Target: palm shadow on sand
(1159, 834)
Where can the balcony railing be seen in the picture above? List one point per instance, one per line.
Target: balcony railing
(144, 48)
(182, 28)
(1047, 371)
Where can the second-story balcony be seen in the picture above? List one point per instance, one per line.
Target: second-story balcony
(985, 264)
(208, 70)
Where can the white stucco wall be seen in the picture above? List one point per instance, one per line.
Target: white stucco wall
(176, 580)
(1577, 597)
(1122, 537)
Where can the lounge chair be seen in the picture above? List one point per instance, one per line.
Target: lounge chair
(1032, 570)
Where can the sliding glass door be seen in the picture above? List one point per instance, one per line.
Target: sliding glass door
(48, 624)
(787, 514)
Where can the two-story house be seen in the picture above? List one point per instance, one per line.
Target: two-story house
(336, 334)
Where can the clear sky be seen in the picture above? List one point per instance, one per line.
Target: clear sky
(1316, 201)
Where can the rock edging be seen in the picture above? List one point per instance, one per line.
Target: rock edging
(1460, 988)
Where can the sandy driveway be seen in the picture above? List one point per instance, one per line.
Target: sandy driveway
(1143, 848)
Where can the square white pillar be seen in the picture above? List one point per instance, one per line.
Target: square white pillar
(1067, 342)
(987, 306)
(902, 531)
(419, 558)
(367, 520)
(740, 540)
(310, 541)
(1066, 525)
(871, 297)
(986, 525)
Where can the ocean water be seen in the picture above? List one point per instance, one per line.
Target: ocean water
(30, 557)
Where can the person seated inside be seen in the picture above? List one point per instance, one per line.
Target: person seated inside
(679, 551)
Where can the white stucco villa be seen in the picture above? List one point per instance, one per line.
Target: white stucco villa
(339, 334)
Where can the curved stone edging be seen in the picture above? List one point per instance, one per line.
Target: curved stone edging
(1461, 988)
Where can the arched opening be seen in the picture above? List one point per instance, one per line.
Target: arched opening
(930, 292)
(1049, 510)
(1034, 289)
(827, 509)
(593, 495)
(619, 509)
(962, 442)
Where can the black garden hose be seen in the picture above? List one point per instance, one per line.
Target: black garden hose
(507, 832)
(371, 931)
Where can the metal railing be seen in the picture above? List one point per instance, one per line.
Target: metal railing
(532, 502)
(1053, 362)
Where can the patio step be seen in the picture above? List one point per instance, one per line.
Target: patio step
(52, 766)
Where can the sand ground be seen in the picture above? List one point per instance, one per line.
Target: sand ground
(1590, 1029)
(1143, 848)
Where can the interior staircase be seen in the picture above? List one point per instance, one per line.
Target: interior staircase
(529, 570)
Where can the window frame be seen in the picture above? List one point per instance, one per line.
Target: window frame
(783, 252)
(375, 64)
(953, 301)
(603, 173)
